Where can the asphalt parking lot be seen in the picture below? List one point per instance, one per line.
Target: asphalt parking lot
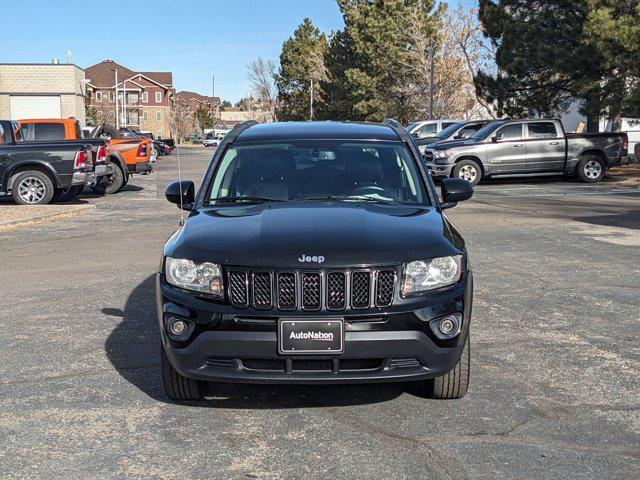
(555, 355)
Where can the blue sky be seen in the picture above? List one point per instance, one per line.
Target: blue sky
(194, 39)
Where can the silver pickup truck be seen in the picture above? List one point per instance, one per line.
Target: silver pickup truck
(527, 148)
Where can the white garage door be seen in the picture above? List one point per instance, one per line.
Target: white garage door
(35, 107)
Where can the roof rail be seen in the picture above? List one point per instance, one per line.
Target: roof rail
(238, 129)
(398, 128)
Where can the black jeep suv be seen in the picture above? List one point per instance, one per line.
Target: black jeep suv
(315, 253)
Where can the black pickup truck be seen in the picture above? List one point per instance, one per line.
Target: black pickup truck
(527, 148)
(35, 172)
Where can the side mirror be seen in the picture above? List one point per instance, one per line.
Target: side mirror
(497, 138)
(455, 190)
(186, 189)
(415, 135)
(458, 137)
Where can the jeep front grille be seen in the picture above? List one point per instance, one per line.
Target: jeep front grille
(311, 290)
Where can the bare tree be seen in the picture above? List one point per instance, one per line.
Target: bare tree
(459, 52)
(182, 121)
(261, 73)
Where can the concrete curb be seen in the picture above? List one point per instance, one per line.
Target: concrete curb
(46, 217)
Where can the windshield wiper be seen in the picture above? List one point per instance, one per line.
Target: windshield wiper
(342, 198)
(249, 199)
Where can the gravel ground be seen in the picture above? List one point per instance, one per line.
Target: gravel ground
(555, 355)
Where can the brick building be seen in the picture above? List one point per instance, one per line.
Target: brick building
(36, 90)
(148, 97)
(194, 101)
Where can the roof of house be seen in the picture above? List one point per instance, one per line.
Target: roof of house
(188, 96)
(103, 74)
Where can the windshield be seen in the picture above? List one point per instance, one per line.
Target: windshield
(450, 130)
(317, 170)
(485, 131)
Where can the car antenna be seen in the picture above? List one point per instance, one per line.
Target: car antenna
(180, 184)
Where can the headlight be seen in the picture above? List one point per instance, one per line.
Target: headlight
(202, 277)
(443, 153)
(424, 275)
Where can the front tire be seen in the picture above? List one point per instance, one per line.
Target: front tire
(32, 188)
(178, 387)
(468, 170)
(591, 169)
(454, 383)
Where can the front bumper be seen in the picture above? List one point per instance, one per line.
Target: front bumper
(386, 345)
(438, 170)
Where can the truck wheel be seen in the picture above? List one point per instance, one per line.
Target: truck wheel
(32, 188)
(178, 387)
(468, 170)
(591, 169)
(67, 193)
(453, 384)
(113, 185)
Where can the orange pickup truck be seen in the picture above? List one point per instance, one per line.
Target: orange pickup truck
(128, 155)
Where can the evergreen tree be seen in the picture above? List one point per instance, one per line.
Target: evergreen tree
(546, 57)
(383, 36)
(301, 60)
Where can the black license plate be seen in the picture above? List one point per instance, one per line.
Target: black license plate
(310, 337)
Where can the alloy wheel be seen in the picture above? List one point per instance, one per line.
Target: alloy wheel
(468, 173)
(31, 190)
(592, 169)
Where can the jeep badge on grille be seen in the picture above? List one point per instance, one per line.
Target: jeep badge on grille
(307, 258)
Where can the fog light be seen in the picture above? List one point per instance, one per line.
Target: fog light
(446, 326)
(177, 327)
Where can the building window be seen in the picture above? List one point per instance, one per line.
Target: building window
(111, 96)
(158, 116)
(145, 115)
(145, 97)
(98, 96)
(158, 97)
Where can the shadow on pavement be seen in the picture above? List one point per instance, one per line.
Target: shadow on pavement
(133, 348)
(624, 219)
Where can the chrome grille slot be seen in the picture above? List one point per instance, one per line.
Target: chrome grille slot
(261, 285)
(287, 291)
(311, 292)
(239, 289)
(385, 282)
(360, 289)
(336, 290)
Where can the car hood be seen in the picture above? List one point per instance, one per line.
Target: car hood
(344, 233)
(453, 144)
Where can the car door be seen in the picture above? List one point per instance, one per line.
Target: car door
(545, 146)
(506, 151)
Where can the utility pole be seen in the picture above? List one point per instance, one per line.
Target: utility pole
(311, 102)
(213, 86)
(116, 98)
(431, 82)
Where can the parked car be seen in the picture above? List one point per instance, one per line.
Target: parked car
(332, 263)
(169, 142)
(33, 172)
(211, 140)
(527, 148)
(37, 130)
(455, 131)
(159, 149)
(128, 156)
(429, 128)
